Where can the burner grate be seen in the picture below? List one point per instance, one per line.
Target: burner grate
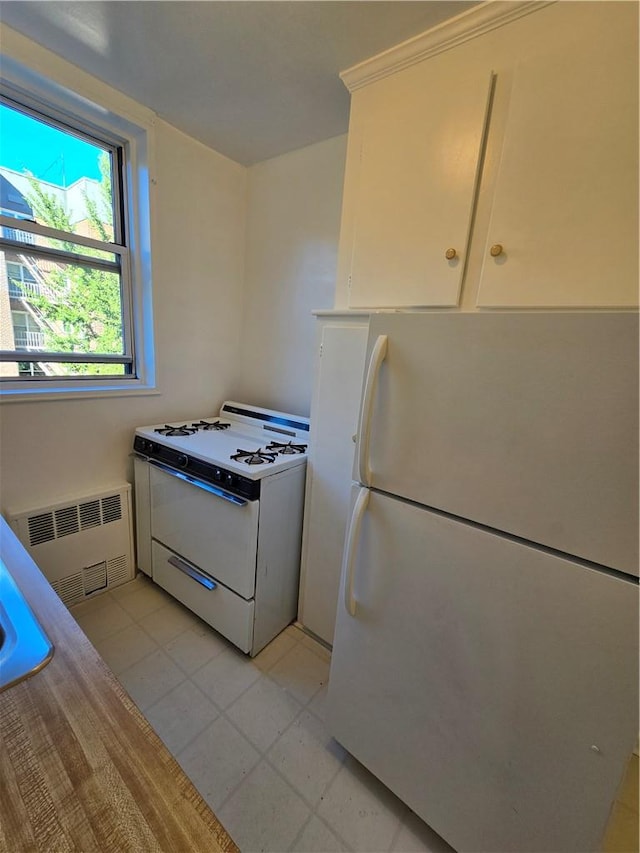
(254, 457)
(176, 430)
(287, 448)
(206, 425)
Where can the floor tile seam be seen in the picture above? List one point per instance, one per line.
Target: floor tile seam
(188, 673)
(190, 741)
(110, 636)
(283, 779)
(241, 694)
(283, 732)
(142, 659)
(281, 656)
(304, 702)
(327, 787)
(138, 624)
(293, 847)
(299, 711)
(86, 617)
(147, 613)
(401, 822)
(233, 790)
(107, 596)
(334, 831)
(267, 757)
(263, 752)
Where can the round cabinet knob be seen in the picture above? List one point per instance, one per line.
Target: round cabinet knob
(496, 250)
(450, 254)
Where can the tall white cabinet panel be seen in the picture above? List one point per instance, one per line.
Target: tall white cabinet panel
(334, 419)
(565, 206)
(414, 187)
(503, 681)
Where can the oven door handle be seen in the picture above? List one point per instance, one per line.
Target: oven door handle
(201, 484)
(192, 572)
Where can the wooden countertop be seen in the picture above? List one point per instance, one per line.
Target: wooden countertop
(81, 769)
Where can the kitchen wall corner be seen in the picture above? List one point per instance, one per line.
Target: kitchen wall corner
(293, 224)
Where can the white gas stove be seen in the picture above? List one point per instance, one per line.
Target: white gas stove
(241, 444)
(219, 516)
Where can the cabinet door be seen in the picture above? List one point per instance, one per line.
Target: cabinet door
(334, 420)
(565, 208)
(415, 186)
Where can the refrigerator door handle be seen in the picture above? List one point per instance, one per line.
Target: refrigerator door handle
(378, 355)
(350, 549)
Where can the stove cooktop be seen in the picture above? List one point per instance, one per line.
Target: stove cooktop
(243, 440)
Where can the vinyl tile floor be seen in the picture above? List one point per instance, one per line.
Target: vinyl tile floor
(250, 733)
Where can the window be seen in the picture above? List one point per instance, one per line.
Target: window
(75, 250)
(64, 261)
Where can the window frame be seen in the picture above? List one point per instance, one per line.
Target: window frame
(130, 138)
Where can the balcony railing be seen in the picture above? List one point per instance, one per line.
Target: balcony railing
(17, 234)
(21, 289)
(28, 340)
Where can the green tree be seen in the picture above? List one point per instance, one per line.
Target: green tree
(80, 307)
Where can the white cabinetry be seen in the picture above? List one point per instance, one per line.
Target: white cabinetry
(334, 419)
(552, 220)
(565, 204)
(416, 166)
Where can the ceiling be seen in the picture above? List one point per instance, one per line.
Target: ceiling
(250, 78)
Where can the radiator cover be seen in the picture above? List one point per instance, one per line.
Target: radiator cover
(82, 546)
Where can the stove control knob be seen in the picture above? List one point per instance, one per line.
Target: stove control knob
(229, 479)
(150, 446)
(182, 461)
(217, 475)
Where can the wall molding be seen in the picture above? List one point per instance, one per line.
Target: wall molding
(464, 27)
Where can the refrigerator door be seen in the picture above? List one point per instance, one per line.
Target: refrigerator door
(491, 685)
(524, 422)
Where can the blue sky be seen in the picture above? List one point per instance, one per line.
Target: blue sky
(50, 154)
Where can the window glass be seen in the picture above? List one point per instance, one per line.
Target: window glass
(64, 262)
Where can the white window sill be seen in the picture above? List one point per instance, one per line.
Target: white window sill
(86, 392)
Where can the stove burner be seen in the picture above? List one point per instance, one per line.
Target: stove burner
(176, 430)
(254, 457)
(204, 425)
(284, 449)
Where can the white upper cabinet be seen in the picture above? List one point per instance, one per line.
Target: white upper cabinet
(565, 204)
(510, 138)
(415, 171)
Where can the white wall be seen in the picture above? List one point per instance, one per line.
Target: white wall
(292, 243)
(240, 259)
(61, 448)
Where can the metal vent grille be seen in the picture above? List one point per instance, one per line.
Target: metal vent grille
(118, 570)
(70, 589)
(94, 577)
(111, 509)
(66, 521)
(41, 528)
(83, 545)
(72, 519)
(89, 514)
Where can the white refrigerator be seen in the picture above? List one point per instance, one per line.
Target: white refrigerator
(485, 660)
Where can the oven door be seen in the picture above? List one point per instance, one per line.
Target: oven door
(210, 528)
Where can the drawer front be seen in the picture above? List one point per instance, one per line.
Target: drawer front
(220, 537)
(221, 608)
